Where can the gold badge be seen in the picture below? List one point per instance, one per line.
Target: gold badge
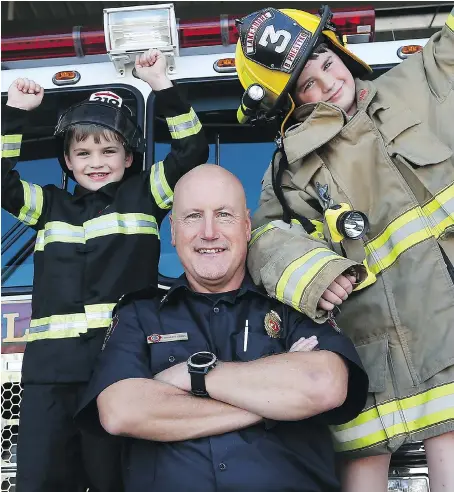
(273, 324)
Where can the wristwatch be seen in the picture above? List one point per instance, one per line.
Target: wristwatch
(200, 364)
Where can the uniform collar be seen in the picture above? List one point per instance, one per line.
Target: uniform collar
(109, 190)
(365, 93)
(247, 285)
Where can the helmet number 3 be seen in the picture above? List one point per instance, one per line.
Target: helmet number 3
(271, 36)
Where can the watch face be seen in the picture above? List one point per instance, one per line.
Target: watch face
(202, 359)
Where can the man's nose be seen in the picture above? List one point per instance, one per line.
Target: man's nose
(209, 229)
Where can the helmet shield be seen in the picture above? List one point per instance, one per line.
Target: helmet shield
(273, 40)
(108, 113)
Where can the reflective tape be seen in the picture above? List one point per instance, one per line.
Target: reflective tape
(184, 125)
(33, 204)
(99, 315)
(61, 232)
(300, 273)
(440, 211)
(160, 189)
(71, 325)
(259, 231)
(11, 145)
(394, 418)
(401, 234)
(450, 20)
(115, 223)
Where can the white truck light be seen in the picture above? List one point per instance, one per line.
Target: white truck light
(132, 30)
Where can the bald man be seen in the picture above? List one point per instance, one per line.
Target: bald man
(220, 387)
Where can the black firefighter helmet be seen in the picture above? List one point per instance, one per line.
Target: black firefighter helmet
(104, 109)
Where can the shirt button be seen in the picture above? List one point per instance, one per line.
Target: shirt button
(222, 466)
(216, 310)
(171, 358)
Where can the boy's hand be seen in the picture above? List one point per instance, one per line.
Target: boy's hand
(304, 344)
(25, 94)
(151, 68)
(337, 292)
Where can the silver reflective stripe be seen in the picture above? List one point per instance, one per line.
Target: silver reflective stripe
(185, 125)
(296, 276)
(33, 205)
(385, 422)
(63, 232)
(58, 326)
(106, 314)
(165, 200)
(11, 146)
(446, 210)
(120, 223)
(415, 225)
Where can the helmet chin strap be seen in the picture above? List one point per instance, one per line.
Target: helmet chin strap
(281, 100)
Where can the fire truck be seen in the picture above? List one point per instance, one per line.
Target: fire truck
(72, 65)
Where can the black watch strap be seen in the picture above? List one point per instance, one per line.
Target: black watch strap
(198, 387)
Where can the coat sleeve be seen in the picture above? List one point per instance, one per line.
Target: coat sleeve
(438, 58)
(26, 201)
(189, 146)
(293, 266)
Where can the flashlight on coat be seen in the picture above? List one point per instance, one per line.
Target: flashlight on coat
(345, 223)
(251, 100)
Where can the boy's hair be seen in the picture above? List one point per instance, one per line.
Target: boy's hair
(80, 132)
(321, 48)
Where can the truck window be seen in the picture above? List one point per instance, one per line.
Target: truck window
(39, 164)
(242, 149)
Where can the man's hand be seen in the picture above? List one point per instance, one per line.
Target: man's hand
(151, 68)
(304, 344)
(177, 376)
(25, 94)
(337, 292)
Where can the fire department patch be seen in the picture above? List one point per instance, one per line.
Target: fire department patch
(273, 324)
(110, 330)
(107, 97)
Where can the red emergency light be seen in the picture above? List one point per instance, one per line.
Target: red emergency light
(192, 33)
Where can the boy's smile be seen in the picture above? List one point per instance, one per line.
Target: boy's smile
(326, 78)
(96, 164)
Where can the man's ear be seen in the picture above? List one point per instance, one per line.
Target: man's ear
(248, 225)
(128, 160)
(172, 229)
(68, 163)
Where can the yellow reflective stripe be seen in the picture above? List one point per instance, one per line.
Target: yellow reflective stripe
(450, 20)
(440, 211)
(33, 204)
(259, 231)
(99, 315)
(115, 223)
(11, 145)
(397, 417)
(300, 273)
(184, 125)
(56, 231)
(160, 189)
(401, 234)
(70, 325)
(256, 233)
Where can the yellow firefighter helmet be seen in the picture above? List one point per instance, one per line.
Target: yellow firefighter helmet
(273, 47)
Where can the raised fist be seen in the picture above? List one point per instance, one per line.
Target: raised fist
(25, 94)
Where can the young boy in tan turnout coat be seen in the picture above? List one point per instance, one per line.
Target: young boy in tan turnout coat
(358, 203)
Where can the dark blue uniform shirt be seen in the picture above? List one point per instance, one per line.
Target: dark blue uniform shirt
(268, 457)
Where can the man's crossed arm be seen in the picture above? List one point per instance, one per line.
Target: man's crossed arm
(290, 386)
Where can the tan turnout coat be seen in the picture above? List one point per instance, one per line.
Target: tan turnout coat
(393, 160)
